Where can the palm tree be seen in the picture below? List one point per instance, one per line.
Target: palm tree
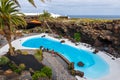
(9, 18)
(44, 17)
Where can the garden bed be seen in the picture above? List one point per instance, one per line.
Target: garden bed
(28, 60)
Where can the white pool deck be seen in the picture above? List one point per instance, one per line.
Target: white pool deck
(114, 65)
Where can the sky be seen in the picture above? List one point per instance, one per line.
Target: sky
(74, 7)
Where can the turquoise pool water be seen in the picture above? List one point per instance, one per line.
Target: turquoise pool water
(95, 66)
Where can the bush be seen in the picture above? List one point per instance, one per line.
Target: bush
(31, 70)
(77, 36)
(47, 71)
(38, 75)
(18, 51)
(59, 37)
(26, 31)
(17, 69)
(73, 72)
(4, 60)
(25, 53)
(13, 66)
(38, 55)
(71, 66)
(22, 66)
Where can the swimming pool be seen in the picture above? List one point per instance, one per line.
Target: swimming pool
(95, 66)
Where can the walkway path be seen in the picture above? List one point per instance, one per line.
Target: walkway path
(59, 71)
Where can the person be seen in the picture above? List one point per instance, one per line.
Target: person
(47, 49)
(53, 53)
(42, 48)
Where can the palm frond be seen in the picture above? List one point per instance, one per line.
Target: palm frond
(16, 1)
(32, 2)
(42, 0)
(9, 13)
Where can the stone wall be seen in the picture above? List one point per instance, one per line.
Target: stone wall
(102, 34)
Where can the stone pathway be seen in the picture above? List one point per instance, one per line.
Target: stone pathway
(59, 71)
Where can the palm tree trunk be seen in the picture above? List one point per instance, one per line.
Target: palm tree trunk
(48, 26)
(43, 26)
(7, 33)
(11, 51)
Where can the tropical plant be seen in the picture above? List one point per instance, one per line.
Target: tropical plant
(22, 66)
(77, 36)
(17, 68)
(25, 53)
(38, 74)
(10, 17)
(18, 51)
(71, 66)
(44, 18)
(45, 15)
(4, 60)
(14, 67)
(47, 71)
(39, 55)
(72, 72)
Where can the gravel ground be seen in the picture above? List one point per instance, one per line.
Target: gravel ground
(58, 66)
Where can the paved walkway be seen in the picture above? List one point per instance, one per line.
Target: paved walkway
(59, 71)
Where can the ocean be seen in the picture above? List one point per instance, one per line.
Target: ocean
(96, 16)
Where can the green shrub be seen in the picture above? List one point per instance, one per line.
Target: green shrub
(26, 31)
(39, 52)
(31, 70)
(72, 72)
(25, 53)
(47, 71)
(71, 66)
(38, 75)
(4, 60)
(38, 55)
(18, 51)
(17, 69)
(13, 66)
(22, 66)
(59, 37)
(77, 36)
